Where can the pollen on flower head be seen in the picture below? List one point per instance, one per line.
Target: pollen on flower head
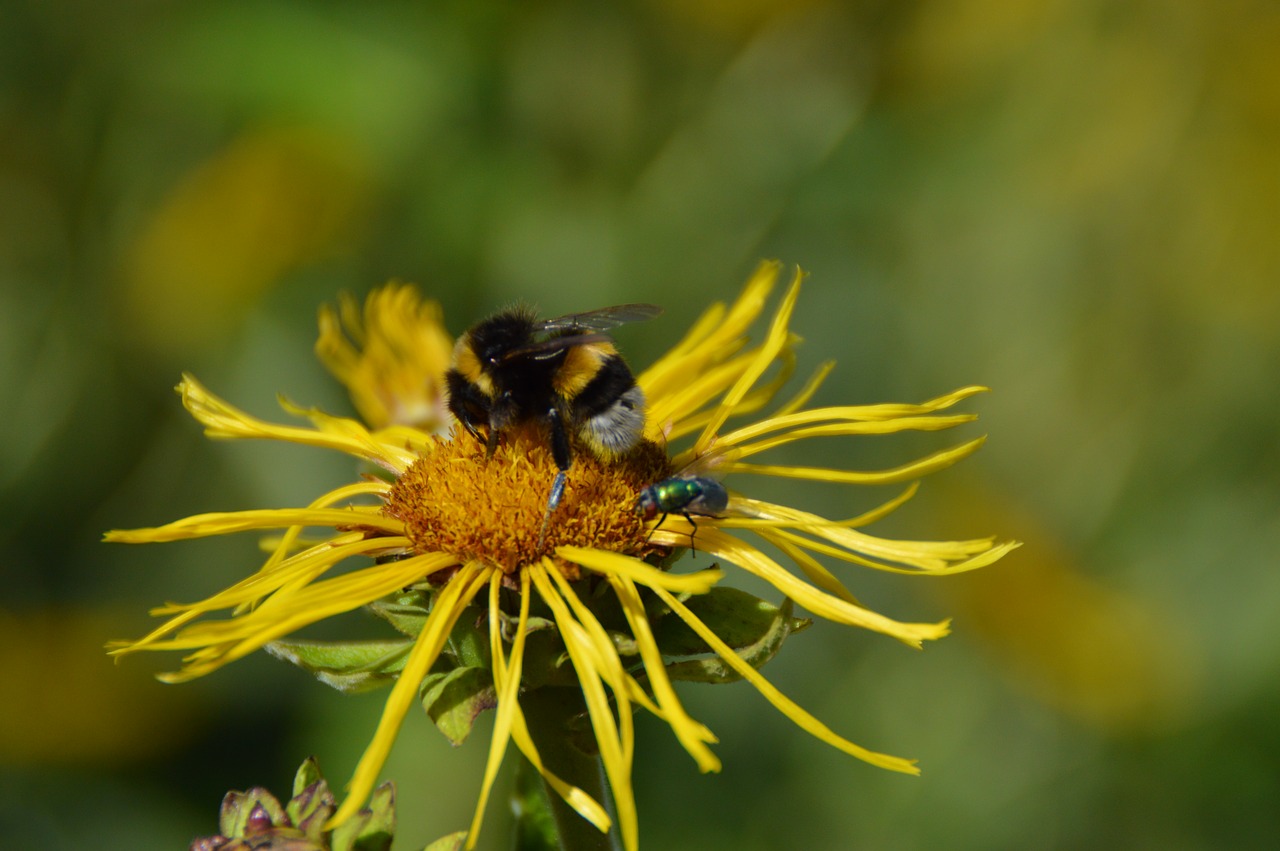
(490, 509)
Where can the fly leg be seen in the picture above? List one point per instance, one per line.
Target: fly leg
(693, 545)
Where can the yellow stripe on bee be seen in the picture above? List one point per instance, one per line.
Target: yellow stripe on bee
(466, 363)
(581, 364)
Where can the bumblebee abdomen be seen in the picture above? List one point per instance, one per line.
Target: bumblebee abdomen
(609, 411)
(618, 429)
(610, 378)
(580, 367)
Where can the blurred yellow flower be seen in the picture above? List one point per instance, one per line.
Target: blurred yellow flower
(392, 358)
(271, 201)
(466, 527)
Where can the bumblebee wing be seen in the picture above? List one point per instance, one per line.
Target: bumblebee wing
(602, 319)
(545, 349)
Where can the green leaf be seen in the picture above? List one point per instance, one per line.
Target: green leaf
(454, 699)
(754, 629)
(469, 643)
(349, 666)
(452, 842)
(406, 612)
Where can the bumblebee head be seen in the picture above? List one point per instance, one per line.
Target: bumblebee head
(494, 338)
(480, 351)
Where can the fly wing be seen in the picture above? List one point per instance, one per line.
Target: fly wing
(602, 319)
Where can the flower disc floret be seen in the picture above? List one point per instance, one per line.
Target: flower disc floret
(490, 509)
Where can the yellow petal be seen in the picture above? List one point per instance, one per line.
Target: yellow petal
(582, 803)
(227, 522)
(824, 605)
(397, 374)
(750, 509)
(806, 393)
(288, 540)
(926, 556)
(717, 335)
(615, 744)
(225, 421)
(765, 355)
(449, 605)
(817, 574)
(638, 571)
(784, 704)
(914, 470)
(851, 413)
(308, 564)
(506, 682)
(692, 735)
(224, 641)
(842, 429)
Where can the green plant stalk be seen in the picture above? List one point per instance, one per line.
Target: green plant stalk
(544, 822)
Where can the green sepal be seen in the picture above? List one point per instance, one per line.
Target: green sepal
(308, 773)
(349, 666)
(312, 803)
(546, 662)
(452, 842)
(754, 628)
(455, 698)
(372, 828)
(623, 643)
(381, 827)
(253, 811)
(407, 613)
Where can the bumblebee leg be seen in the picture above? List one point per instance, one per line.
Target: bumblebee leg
(562, 455)
(560, 450)
(468, 405)
(557, 491)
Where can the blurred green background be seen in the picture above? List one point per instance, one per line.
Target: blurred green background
(1074, 203)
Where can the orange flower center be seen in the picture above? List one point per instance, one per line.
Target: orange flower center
(458, 501)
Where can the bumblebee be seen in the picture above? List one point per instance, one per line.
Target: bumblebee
(684, 495)
(514, 368)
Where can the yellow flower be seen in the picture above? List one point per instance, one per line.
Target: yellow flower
(395, 377)
(466, 526)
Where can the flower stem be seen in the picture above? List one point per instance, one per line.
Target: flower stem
(543, 820)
